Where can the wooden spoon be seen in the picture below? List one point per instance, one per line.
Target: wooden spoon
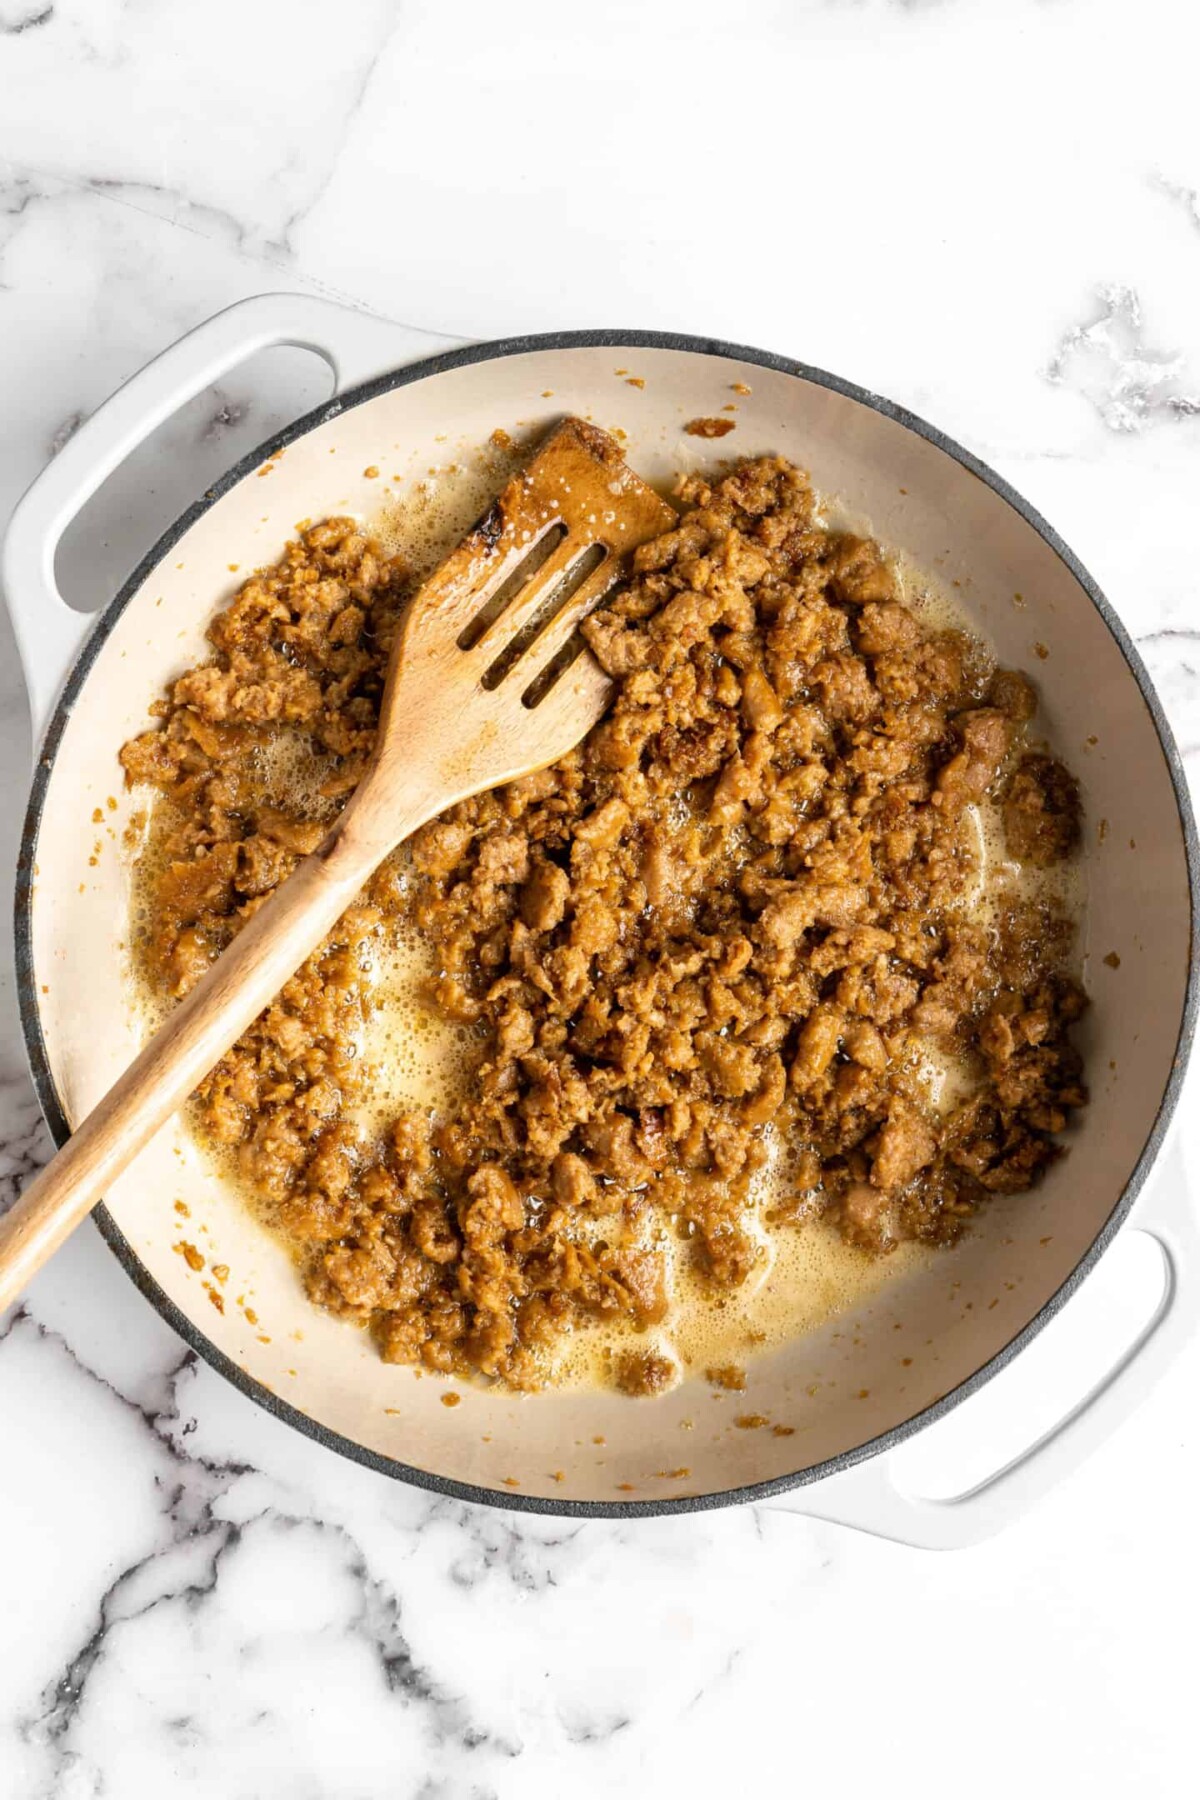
(466, 707)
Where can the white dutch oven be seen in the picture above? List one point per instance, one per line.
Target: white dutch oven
(847, 1391)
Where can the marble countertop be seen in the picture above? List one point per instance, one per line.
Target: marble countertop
(986, 209)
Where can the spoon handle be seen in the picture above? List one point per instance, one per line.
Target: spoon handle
(229, 997)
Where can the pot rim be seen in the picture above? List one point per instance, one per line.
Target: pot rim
(35, 1044)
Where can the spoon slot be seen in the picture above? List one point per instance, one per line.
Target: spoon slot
(558, 665)
(563, 590)
(512, 585)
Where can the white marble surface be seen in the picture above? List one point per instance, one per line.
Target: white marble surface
(988, 209)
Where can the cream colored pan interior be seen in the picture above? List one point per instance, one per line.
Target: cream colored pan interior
(927, 1332)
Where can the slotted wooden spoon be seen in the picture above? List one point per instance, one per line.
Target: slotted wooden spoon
(466, 707)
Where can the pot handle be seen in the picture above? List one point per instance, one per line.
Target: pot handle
(867, 1496)
(49, 633)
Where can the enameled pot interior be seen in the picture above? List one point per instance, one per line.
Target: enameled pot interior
(926, 1332)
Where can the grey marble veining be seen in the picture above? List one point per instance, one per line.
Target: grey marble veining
(1131, 385)
(987, 211)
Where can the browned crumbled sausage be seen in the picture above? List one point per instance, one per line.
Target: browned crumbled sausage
(573, 1182)
(730, 1376)
(1014, 694)
(984, 738)
(860, 572)
(906, 1146)
(644, 1372)
(734, 914)
(883, 626)
(817, 1045)
(544, 896)
(867, 1217)
(1041, 811)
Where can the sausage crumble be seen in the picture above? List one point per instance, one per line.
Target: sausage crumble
(741, 923)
